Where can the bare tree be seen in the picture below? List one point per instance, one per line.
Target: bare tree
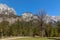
(41, 15)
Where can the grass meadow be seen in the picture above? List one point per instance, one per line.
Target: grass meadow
(34, 38)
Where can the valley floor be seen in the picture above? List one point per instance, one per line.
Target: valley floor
(31, 38)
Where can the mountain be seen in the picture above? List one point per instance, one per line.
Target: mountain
(52, 19)
(27, 16)
(4, 9)
(9, 14)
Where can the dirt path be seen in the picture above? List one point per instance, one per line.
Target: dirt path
(11, 38)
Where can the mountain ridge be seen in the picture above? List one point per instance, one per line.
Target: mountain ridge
(7, 12)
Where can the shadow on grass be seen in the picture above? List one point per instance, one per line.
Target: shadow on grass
(54, 38)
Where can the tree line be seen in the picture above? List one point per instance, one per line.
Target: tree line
(22, 28)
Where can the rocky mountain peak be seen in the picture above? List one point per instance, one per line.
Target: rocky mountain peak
(4, 9)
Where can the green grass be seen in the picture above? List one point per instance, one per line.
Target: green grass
(33, 39)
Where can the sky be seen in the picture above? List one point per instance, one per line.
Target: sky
(52, 7)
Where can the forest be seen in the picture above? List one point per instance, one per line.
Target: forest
(30, 28)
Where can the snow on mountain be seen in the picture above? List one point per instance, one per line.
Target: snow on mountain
(29, 16)
(4, 9)
(52, 19)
